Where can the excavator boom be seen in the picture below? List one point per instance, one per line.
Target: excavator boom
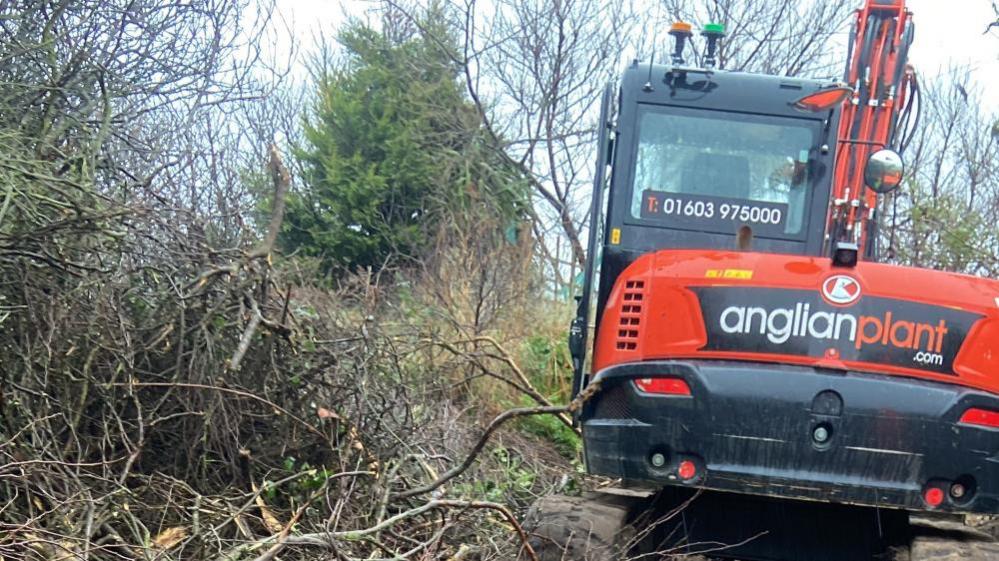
(874, 117)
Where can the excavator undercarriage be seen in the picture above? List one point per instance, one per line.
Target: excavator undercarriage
(617, 525)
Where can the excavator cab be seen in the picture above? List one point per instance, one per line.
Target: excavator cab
(705, 159)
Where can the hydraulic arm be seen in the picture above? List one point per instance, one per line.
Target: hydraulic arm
(877, 115)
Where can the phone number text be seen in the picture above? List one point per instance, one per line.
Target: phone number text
(688, 208)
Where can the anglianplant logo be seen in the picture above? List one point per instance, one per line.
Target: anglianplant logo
(841, 290)
(833, 318)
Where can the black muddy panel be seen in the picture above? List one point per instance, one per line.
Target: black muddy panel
(796, 432)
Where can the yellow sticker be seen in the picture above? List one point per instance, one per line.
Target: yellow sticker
(615, 236)
(739, 274)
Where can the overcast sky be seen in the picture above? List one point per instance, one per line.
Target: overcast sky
(947, 32)
(951, 31)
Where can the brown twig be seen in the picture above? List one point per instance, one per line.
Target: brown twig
(522, 384)
(328, 539)
(498, 421)
(244, 341)
(281, 178)
(240, 393)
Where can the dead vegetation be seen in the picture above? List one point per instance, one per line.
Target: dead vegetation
(163, 398)
(173, 388)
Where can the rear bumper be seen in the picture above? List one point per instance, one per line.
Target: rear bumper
(749, 428)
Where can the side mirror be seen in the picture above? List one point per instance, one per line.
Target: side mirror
(883, 172)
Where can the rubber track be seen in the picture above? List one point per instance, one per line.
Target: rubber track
(592, 527)
(948, 541)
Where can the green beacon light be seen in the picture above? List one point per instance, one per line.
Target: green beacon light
(713, 32)
(714, 28)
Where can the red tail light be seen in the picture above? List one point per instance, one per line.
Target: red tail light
(663, 386)
(934, 496)
(687, 470)
(980, 417)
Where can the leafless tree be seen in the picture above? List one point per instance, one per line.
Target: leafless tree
(543, 66)
(536, 69)
(941, 218)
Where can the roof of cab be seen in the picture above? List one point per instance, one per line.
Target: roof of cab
(718, 89)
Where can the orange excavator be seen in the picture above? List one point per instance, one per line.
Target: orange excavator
(763, 386)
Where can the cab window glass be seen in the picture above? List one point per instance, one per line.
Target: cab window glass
(717, 172)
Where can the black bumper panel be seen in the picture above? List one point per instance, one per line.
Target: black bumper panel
(750, 429)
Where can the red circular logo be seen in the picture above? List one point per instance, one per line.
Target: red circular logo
(841, 290)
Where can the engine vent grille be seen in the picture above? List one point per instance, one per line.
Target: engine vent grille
(613, 403)
(631, 315)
